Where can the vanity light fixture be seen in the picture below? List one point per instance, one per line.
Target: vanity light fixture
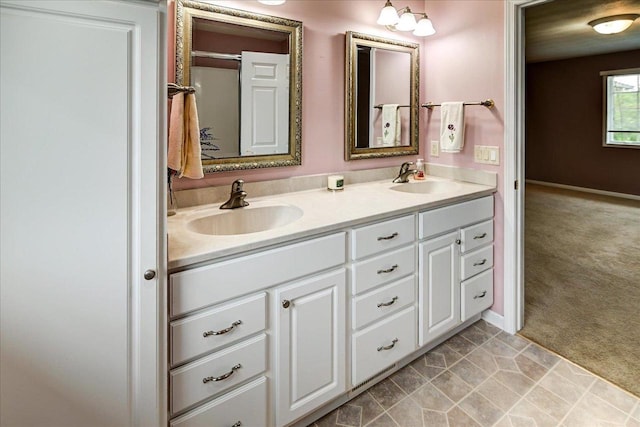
(272, 2)
(613, 24)
(405, 20)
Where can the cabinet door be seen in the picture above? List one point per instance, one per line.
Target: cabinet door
(439, 290)
(82, 145)
(310, 349)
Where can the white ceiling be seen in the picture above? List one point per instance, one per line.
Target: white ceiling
(558, 29)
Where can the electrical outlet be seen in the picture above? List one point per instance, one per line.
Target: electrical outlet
(435, 148)
(487, 154)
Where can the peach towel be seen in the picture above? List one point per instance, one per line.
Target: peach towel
(184, 137)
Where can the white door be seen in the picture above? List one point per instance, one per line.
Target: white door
(264, 117)
(81, 121)
(310, 344)
(439, 286)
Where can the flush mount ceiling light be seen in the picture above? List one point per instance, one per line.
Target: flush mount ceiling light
(405, 20)
(613, 24)
(272, 2)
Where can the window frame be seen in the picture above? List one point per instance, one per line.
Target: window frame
(605, 110)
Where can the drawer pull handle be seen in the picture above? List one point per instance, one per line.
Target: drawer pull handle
(223, 331)
(480, 236)
(481, 295)
(388, 270)
(483, 262)
(390, 346)
(222, 377)
(387, 304)
(238, 424)
(392, 236)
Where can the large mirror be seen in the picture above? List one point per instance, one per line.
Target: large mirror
(246, 69)
(382, 83)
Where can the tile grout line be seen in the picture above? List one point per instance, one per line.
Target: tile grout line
(490, 375)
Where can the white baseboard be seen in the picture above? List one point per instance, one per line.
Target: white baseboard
(494, 318)
(583, 189)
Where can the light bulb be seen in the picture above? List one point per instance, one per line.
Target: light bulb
(424, 27)
(388, 15)
(407, 21)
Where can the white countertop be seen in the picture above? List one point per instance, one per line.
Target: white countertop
(323, 211)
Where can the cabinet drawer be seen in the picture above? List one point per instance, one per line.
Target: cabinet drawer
(204, 286)
(385, 235)
(383, 269)
(371, 352)
(231, 409)
(477, 294)
(439, 220)
(476, 262)
(476, 236)
(203, 378)
(215, 328)
(389, 299)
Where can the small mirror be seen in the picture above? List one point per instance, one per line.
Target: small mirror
(246, 69)
(382, 83)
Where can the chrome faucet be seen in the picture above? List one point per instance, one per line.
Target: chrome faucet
(405, 172)
(236, 200)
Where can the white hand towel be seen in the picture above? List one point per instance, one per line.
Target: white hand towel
(452, 127)
(390, 124)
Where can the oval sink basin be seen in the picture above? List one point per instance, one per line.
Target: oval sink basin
(245, 220)
(426, 187)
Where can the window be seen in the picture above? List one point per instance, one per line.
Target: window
(622, 108)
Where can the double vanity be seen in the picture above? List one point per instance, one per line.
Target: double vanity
(284, 309)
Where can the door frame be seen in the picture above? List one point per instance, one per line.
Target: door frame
(514, 140)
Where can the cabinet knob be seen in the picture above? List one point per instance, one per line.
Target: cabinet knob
(286, 303)
(458, 241)
(149, 274)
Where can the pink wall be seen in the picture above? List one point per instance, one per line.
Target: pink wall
(325, 25)
(463, 61)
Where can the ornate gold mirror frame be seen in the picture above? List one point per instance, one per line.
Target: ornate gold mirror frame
(186, 11)
(412, 80)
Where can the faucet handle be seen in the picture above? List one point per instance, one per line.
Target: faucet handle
(237, 186)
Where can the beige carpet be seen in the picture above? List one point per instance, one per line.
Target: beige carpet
(582, 280)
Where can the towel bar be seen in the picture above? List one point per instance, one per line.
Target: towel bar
(379, 106)
(487, 103)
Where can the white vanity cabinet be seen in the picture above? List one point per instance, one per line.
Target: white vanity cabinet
(309, 335)
(236, 351)
(456, 260)
(383, 289)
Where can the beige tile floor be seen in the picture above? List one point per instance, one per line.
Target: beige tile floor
(486, 377)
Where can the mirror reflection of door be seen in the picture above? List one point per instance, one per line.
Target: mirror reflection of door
(264, 114)
(243, 109)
